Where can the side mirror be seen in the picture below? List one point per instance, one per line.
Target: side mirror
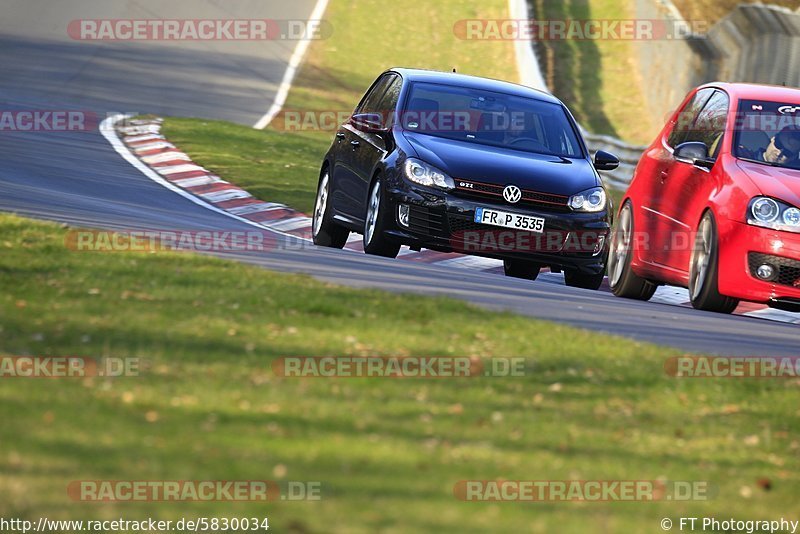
(605, 161)
(368, 122)
(695, 153)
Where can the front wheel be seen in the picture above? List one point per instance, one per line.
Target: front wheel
(526, 270)
(379, 214)
(623, 281)
(704, 271)
(325, 232)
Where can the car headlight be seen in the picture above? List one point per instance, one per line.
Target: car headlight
(591, 200)
(424, 174)
(770, 213)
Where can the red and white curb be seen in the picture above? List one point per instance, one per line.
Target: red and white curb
(140, 142)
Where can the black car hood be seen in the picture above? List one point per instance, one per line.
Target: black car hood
(471, 161)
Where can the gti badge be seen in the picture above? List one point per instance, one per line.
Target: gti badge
(512, 194)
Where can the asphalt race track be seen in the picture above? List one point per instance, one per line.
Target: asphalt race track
(79, 179)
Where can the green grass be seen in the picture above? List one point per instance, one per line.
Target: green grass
(338, 70)
(597, 79)
(282, 166)
(387, 452)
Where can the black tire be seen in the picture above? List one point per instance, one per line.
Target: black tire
(379, 214)
(324, 231)
(527, 270)
(704, 270)
(623, 281)
(583, 280)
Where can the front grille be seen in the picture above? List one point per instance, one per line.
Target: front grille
(425, 221)
(460, 223)
(494, 192)
(788, 269)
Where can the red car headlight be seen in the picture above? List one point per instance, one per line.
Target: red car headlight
(770, 213)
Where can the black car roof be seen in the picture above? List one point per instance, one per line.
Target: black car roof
(474, 82)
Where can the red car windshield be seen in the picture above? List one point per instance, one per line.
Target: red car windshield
(768, 133)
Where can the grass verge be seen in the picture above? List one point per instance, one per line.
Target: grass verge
(387, 452)
(283, 166)
(597, 79)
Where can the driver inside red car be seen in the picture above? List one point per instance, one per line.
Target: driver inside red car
(783, 148)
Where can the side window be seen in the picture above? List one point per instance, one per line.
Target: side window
(687, 116)
(389, 101)
(369, 104)
(709, 126)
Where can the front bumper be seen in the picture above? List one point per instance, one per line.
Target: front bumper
(742, 248)
(444, 221)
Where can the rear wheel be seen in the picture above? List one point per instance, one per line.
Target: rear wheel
(623, 281)
(704, 271)
(582, 280)
(378, 218)
(325, 232)
(526, 270)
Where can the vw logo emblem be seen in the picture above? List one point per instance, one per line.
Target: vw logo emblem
(512, 194)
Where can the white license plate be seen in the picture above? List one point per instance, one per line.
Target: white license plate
(509, 220)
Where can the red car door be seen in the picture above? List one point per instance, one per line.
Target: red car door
(688, 187)
(658, 203)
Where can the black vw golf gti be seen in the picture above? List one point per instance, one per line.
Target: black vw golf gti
(458, 163)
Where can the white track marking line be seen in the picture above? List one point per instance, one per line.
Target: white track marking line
(470, 262)
(139, 130)
(551, 277)
(147, 122)
(295, 223)
(225, 194)
(173, 155)
(772, 314)
(177, 169)
(257, 208)
(200, 180)
(152, 146)
(291, 70)
(144, 137)
(671, 295)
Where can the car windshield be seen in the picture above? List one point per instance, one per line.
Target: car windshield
(768, 133)
(490, 118)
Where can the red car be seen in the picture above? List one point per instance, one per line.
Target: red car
(713, 205)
